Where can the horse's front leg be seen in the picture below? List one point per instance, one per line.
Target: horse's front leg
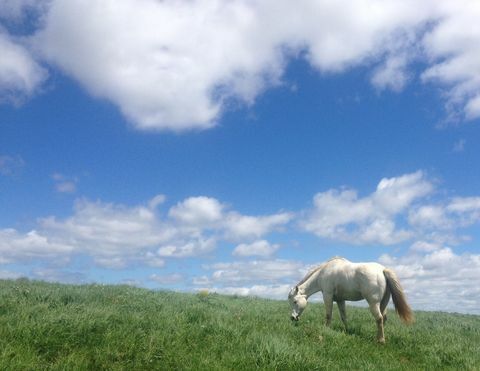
(328, 301)
(343, 312)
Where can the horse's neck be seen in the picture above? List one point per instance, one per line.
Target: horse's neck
(311, 285)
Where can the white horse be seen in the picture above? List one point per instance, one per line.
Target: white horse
(340, 280)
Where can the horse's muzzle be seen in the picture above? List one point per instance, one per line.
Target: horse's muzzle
(294, 318)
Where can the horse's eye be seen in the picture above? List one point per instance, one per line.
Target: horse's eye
(294, 302)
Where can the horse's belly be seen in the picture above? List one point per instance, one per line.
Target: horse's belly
(356, 296)
(342, 293)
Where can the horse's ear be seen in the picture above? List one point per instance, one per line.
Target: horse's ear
(296, 290)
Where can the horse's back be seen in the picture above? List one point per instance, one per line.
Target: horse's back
(342, 266)
(354, 281)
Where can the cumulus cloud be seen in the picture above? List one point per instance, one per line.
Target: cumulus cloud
(34, 245)
(400, 209)
(208, 213)
(247, 227)
(167, 65)
(198, 212)
(177, 65)
(449, 215)
(258, 248)
(434, 277)
(108, 228)
(116, 236)
(342, 215)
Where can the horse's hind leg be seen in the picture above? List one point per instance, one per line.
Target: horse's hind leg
(377, 314)
(343, 312)
(383, 305)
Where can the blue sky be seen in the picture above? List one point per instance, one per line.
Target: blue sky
(205, 145)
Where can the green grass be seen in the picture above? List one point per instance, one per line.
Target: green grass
(61, 327)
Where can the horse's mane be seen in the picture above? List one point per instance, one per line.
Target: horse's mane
(317, 268)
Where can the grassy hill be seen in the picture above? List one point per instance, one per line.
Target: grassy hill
(91, 327)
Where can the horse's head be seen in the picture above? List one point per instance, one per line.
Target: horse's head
(298, 302)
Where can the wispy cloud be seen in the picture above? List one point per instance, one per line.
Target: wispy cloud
(65, 184)
(167, 279)
(459, 145)
(11, 165)
(254, 271)
(20, 73)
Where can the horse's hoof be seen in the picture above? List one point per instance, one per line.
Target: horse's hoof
(381, 341)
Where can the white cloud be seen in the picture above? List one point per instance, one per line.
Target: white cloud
(266, 278)
(400, 209)
(175, 65)
(240, 227)
(9, 275)
(117, 236)
(429, 216)
(472, 107)
(55, 275)
(156, 201)
(65, 184)
(187, 248)
(167, 65)
(11, 165)
(342, 215)
(392, 74)
(452, 46)
(465, 205)
(257, 248)
(198, 211)
(438, 278)
(15, 247)
(167, 279)
(272, 271)
(449, 215)
(20, 74)
(265, 291)
(109, 228)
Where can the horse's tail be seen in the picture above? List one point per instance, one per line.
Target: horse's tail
(399, 300)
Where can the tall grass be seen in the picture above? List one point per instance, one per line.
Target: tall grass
(92, 327)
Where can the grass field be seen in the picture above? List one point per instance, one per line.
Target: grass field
(47, 326)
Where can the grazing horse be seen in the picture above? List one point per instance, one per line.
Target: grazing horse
(340, 280)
